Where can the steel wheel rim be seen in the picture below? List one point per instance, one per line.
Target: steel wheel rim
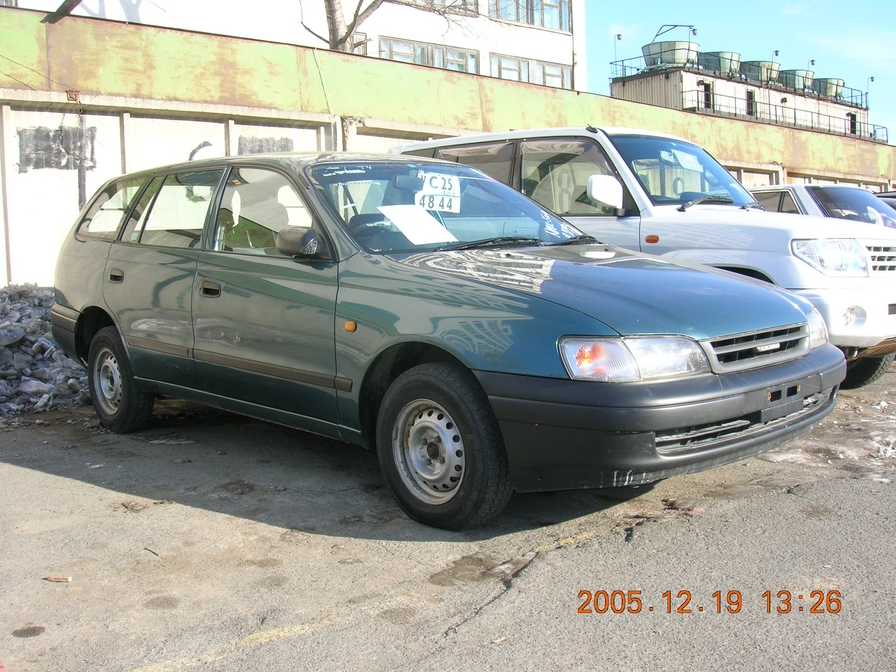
(107, 377)
(428, 450)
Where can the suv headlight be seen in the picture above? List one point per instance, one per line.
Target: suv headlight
(818, 330)
(616, 360)
(833, 256)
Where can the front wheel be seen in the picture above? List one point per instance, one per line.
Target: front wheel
(440, 448)
(866, 370)
(121, 406)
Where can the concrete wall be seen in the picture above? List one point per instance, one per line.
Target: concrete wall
(84, 100)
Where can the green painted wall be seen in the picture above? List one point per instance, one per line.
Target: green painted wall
(114, 59)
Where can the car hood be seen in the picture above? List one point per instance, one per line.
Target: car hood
(774, 224)
(630, 293)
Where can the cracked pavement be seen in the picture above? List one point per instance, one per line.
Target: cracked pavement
(216, 542)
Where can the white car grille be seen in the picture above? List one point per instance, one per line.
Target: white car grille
(883, 258)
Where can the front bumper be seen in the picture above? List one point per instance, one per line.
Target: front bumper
(564, 434)
(875, 311)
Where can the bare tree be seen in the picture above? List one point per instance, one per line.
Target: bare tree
(341, 33)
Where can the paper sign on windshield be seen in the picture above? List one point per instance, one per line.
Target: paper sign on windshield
(417, 225)
(440, 193)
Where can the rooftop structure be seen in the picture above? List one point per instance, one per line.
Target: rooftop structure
(677, 75)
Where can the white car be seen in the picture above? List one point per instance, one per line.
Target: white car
(661, 194)
(827, 200)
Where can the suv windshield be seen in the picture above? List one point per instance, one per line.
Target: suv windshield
(673, 172)
(853, 203)
(406, 207)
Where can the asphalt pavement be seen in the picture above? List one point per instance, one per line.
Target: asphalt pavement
(215, 542)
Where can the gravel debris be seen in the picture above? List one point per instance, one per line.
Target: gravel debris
(35, 375)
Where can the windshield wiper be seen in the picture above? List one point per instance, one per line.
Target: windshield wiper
(708, 198)
(584, 238)
(489, 242)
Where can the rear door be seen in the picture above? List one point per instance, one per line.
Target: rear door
(149, 274)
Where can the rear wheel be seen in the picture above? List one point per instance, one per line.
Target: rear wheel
(440, 448)
(866, 370)
(121, 406)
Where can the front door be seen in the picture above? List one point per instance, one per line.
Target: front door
(263, 321)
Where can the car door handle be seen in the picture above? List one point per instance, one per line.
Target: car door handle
(116, 275)
(209, 288)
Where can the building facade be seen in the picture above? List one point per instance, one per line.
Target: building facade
(535, 41)
(83, 100)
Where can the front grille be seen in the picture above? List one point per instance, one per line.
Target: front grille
(883, 258)
(702, 437)
(758, 348)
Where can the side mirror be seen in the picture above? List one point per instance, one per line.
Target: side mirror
(606, 190)
(299, 242)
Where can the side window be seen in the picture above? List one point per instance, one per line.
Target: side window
(788, 204)
(137, 219)
(770, 199)
(428, 153)
(495, 159)
(257, 205)
(555, 172)
(106, 213)
(177, 215)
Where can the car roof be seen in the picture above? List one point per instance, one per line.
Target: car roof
(292, 160)
(563, 131)
(793, 187)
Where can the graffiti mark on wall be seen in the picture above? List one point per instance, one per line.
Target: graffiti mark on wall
(62, 148)
(253, 145)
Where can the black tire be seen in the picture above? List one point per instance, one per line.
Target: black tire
(866, 370)
(427, 408)
(120, 404)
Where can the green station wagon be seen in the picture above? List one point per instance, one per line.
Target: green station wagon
(422, 309)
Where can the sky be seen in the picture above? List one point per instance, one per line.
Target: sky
(852, 41)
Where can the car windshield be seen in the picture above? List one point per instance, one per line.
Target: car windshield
(674, 172)
(853, 203)
(405, 207)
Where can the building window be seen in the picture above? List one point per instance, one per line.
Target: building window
(460, 6)
(515, 69)
(751, 103)
(360, 40)
(9, 3)
(447, 58)
(554, 14)
(852, 123)
(534, 72)
(707, 95)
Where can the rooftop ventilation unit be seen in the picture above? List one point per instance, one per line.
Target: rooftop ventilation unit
(760, 71)
(670, 54)
(828, 87)
(724, 62)
(796, 79)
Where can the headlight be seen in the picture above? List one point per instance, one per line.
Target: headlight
(833, 256)
(818, 330)
(615, 360)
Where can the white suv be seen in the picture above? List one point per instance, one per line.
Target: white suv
(661, 194)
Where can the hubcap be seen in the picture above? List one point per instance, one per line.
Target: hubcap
(429, 451)
(107, 385)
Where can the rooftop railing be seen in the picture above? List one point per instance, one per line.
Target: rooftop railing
(631, 67)
(743, 108)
